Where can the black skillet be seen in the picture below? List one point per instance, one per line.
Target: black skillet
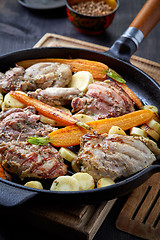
(12, 194)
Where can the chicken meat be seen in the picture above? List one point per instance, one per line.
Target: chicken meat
(39, 75)
(20, 158)
(48, 74)
(114, 155)
(56, 96)
(13, 79)
(18, 124)
(25, 160)
(103, 100)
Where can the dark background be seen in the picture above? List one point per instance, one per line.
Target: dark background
(21, 28)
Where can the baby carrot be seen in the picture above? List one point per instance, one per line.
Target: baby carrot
(70, 136)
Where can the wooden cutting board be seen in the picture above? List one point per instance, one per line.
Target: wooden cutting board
(82, 222)
(140, 215)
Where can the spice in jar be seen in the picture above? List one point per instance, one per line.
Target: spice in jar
(92, 8)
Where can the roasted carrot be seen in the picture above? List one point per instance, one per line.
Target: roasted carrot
(70, 136)
(99, 70)
(2, 174)
(132, 95)
(47, 110)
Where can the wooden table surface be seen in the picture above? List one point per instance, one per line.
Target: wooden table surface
(21, 28)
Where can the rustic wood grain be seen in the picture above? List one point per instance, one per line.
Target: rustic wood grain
(140, 215)
(72, 222)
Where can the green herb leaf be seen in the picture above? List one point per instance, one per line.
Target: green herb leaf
(115, 76)
(83, 125)
(42, 141)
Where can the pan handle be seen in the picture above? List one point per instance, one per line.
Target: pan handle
(148, 17)
(144, 22)
(11, 196)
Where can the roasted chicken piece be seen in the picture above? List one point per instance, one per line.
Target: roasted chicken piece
(39, 75)
(25, 160)
(13, 79)
(114, 155)
(56, 96)
(20, 158)
(18, 124)
(47, 74)
(103, 100)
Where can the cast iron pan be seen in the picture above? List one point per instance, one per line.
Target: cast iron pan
(12, 194)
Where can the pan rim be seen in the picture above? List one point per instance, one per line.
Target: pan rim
(119, 184)
(79, 49)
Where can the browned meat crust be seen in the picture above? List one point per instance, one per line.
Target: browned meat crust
(113, 155)
(21, 158)
(40, 75)
(13, 79)
(47, 74)
(103, 100)
(19, 124)
(26, 160)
